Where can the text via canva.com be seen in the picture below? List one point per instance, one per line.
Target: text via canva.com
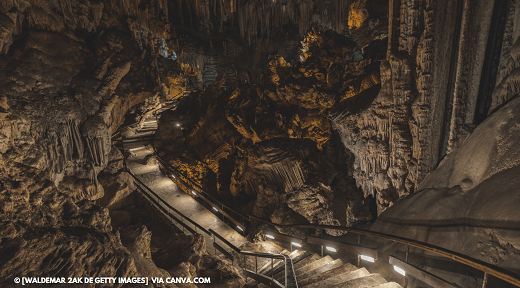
(111, 280)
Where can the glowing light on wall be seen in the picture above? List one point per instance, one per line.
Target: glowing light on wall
(331, 249)
(367, 258)
(399, 270)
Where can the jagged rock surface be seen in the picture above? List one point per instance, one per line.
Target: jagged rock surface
(292, 173)
(209, 144)
(69, 72)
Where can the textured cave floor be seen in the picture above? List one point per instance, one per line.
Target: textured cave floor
(151, 176)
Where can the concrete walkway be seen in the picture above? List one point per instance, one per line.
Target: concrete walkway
(151, 176)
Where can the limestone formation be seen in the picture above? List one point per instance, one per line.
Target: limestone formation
(294, 111)
(66, 85)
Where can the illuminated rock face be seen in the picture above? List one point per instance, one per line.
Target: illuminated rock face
(67, 81)
(219, 129)
(437, 84)
(294, 174)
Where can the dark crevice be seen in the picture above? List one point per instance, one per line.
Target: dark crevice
(372, 206)
(451, 81)
(492, 61)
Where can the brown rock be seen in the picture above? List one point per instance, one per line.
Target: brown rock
(116, 188)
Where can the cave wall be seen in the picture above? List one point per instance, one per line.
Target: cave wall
(431, 82)
(506, 78)
(69, 72)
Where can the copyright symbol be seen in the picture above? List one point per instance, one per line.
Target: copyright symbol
(17, 280)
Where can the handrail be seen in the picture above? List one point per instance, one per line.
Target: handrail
(150, 198)
(143, 116)
(264, 255)
(201, 191)
(141, 184)
(224, 241)
(495, 271)
(197, 187)
(194, 186)
(490, 269)
(255, 254)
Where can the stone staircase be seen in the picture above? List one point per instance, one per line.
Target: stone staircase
(314, 271)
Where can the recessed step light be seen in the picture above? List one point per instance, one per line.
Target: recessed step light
(367, 258)
(331, 249)
(399, 270)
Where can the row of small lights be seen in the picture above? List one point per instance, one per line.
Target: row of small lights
(331, 249)
(214, 208)
(195, 194)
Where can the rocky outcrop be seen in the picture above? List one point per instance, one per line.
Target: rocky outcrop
(212, 144)
(434, 89)
(6, 33)
(70, 71)
(490, 149)
(293, 183)
(137, 240)
(507, 76)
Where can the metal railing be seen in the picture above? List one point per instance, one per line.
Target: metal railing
(167, 209)
(161, 204)
(198, 191)
(488, 269)
(260, 278)
(141, 119)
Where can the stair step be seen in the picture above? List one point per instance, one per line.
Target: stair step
(313, 265)
(338, 279)
(314, 262)
(389, 285)
(298, 263)
(267, 266)
(278, 265)
(306, 261)
(334, 264)
(372, 280)
(336, 272)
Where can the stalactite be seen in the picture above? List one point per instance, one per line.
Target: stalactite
(62, 14)
(288, 173)
(63, 147)
(97, 151)
(259, 19)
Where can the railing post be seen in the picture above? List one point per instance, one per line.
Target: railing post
(256, 268)
(321, 251)
(285, 264)
(485, 281)
(359, 256)
(272, 271)
(406, 260)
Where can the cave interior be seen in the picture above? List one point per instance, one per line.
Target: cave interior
(166, 138)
